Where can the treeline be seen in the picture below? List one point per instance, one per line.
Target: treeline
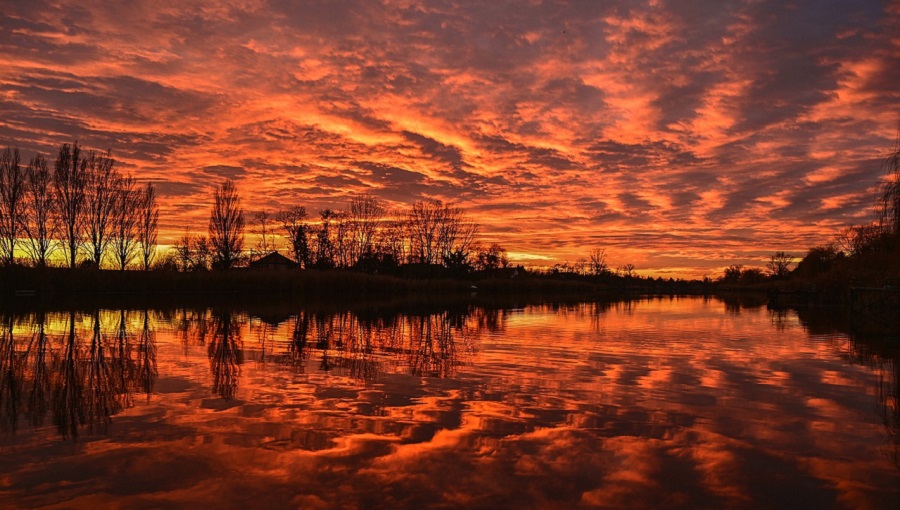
(79, 206)
(366, 236)
(427, 238)
(81, 211)
(867, 254)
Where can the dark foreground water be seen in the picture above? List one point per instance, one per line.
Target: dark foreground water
(685, 403)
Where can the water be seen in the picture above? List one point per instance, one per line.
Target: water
(660, 403)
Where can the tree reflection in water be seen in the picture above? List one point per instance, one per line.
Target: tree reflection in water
(79, 376)
(10, 378)
(879, 352)
(82, 376)
(641, 403)
(424, 345)
(81, 369)
(39, 391)
(68, 400)
(146, 355)
(884, 357)
(225, 354)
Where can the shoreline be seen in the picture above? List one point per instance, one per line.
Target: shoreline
(36, 287)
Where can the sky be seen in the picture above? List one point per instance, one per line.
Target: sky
(681, 136)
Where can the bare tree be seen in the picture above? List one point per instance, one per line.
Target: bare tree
(598, 262)
(437, 230)
(297, 233)
(392, 238)
(126, 222)
(628, 270)
(192, 253)
(581, 266)
(262, 220)
(324, 245)
(69, 183)
(366, 213)
(493, 257)
(855, 240)
(147, 225)
(101, 200)
(889, 206)
(226, 226)
(183, 252)
(202, 253)
(12, 203)
(341, 243)
(456, 234)
(422, 225)
(38, 224)
(779, 264)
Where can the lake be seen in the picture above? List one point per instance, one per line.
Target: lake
(653, 403)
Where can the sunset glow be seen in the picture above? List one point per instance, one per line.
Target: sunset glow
(682, 137)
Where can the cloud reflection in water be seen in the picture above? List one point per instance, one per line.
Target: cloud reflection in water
(656, 403)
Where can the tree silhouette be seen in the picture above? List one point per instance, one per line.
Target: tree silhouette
(38, 223)
(147, 224)
(890, 189)
(779, 264)
(598, 262)
(226, 226)
(819, 260)
(193, 252)
(733, 273)
(291, 220)
(101, 190)
(324, 244)
(490, 258)
(366, 213)
(422, 223)
(126, 220)
(437, 230)
(69, 183)
(340, 244)
(392, 240)
(266, 244)
(456, 234)
(12, 204)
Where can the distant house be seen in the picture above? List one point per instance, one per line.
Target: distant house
(273, 260)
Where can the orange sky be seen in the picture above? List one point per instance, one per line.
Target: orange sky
(681, 136)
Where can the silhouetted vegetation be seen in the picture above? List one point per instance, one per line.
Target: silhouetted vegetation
(226, 227)
(96, 218)
(859, 256)
(84, 212)
(83, 208)
(875, 350)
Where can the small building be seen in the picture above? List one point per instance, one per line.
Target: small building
(273, 260)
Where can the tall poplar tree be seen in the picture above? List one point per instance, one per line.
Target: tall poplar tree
(226, 226)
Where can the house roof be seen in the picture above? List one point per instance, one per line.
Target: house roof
(273, 259)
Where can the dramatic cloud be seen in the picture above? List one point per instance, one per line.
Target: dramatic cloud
(681, 136)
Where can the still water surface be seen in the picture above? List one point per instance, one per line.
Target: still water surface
(661, 403)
